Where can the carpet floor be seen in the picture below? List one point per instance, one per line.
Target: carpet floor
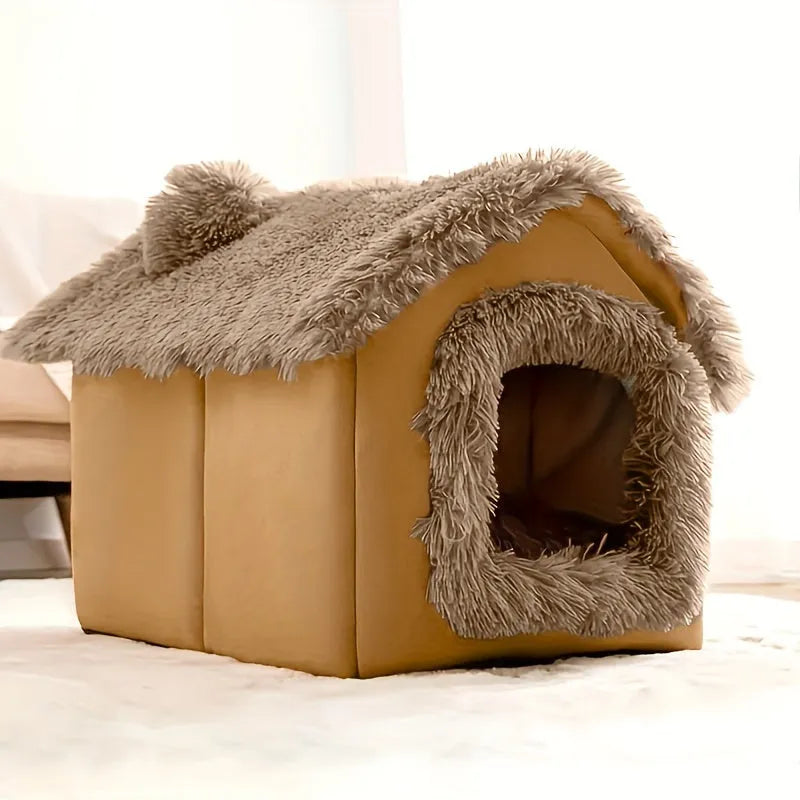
(99, 717)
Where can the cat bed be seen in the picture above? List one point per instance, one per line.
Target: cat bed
(382, 427)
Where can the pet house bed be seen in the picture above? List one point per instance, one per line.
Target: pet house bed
(363, 429)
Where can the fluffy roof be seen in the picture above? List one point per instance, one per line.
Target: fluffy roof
(226, 272)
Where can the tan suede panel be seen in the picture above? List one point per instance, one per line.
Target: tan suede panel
(137, 506)
(398, 630)
(279, 545)
(651, 277)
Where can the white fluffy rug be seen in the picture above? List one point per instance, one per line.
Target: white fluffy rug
(98, 717)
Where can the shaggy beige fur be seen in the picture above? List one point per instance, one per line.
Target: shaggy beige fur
(203, 207)
(656, 581)
(227, 273)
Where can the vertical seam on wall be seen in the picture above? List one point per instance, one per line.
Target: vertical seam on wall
(531, 399)
(355, 516)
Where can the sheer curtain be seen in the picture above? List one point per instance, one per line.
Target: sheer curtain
(100, 99)
(696, 105)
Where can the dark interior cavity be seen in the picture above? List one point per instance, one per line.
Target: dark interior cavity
(559, 461)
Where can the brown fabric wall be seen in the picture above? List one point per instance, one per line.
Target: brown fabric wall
(137, 506)
(279, 518)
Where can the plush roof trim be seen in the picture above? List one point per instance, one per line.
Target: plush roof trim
(655, 582)
(227, 273)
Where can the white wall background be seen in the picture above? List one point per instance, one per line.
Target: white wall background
(694, 101)
(108, 95)
(100, 98)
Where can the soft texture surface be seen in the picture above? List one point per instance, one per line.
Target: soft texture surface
(225, 272)
(654, 582)
(97, 717)
(203, 207)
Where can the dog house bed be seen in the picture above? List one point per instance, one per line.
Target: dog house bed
(381, 427)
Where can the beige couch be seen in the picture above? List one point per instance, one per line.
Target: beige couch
(34, 463)
(34, 426)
